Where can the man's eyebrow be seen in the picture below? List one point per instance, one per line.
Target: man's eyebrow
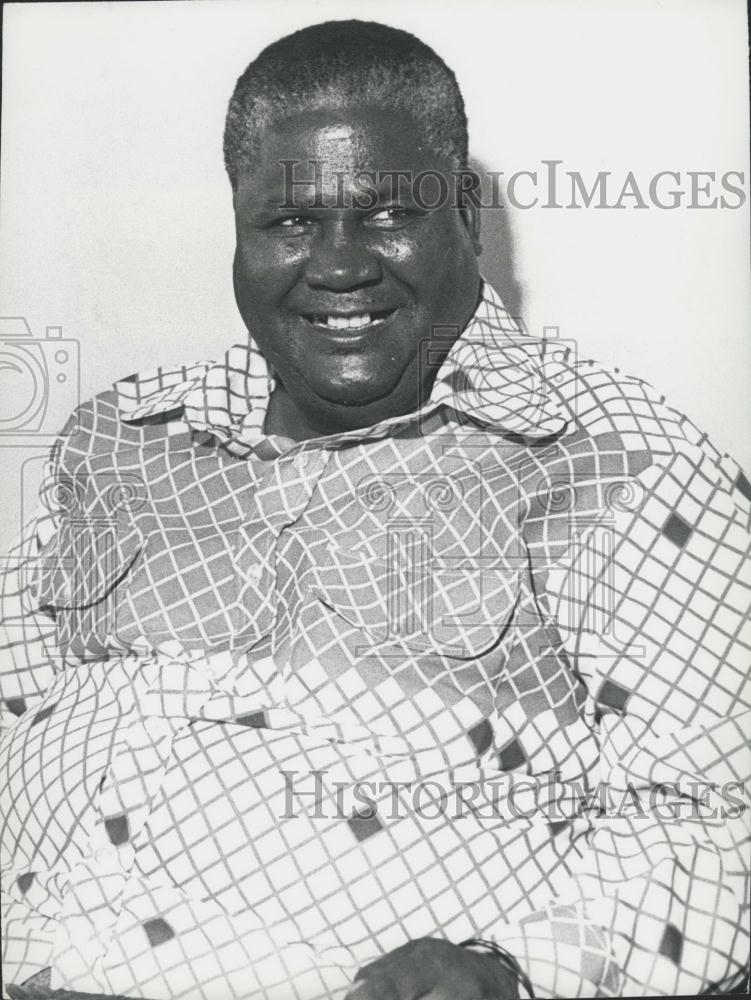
(278, 202)
(307, 195)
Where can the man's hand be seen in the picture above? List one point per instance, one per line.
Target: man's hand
(432, 969)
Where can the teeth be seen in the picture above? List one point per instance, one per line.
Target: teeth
(356, 322)
(345, 322)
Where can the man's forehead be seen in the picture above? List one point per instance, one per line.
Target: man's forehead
(346, 138)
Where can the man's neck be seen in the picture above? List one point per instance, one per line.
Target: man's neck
(286, 419)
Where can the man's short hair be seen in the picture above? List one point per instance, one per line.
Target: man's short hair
(345, 63)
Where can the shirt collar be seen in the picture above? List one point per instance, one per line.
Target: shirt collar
(494, 374)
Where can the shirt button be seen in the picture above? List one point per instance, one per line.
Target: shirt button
(255, 573)
(300, 461)
(106, 856)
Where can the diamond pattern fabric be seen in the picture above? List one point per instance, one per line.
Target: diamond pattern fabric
(271, 709)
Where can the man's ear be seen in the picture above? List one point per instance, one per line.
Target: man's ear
(471, 216)
(469, 206)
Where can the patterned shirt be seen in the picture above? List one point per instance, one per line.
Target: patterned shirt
(274, 708)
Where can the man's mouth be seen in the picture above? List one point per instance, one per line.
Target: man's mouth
(352, 322)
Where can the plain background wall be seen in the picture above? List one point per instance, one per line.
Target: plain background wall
(116, 213)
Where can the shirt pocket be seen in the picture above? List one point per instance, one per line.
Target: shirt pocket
(414, 599)
(77, 577)
(81, 565)
(94, 543)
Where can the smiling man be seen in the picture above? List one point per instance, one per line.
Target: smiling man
(396, 655)
(345, 301)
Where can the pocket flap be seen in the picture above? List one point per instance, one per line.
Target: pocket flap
(81, 564)
(412, 600)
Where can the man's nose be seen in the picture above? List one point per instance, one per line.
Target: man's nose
(339, 258)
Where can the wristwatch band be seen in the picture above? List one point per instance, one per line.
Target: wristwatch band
(506, 959)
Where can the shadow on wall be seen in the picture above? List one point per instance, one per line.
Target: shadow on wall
(497, 262)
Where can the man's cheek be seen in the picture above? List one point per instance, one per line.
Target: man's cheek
(400, 248)
(267, 263)
(421, 259)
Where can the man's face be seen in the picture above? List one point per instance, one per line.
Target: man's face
(343, 287)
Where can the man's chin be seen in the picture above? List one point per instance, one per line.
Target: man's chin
(349, 407)
(358, 392)
(353, 398)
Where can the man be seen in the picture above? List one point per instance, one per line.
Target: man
(396, 655)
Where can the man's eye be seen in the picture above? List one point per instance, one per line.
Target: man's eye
(389, 217)
(294, 222)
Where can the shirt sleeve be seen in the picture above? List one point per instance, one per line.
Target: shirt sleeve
(650, 597)
(44, 572)
(29, 654)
